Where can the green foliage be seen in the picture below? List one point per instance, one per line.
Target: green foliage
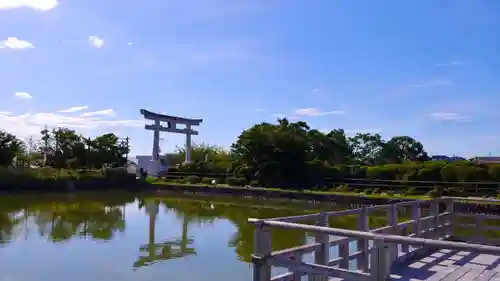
(254, 183)
(342, 188)
(64, 149)
(438, 191)
(207, 180)
(236, 181)
(50, 179)
(411, 191)
(192, 179)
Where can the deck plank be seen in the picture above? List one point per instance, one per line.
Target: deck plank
(485, 275)
(450, 266)
(457, 274)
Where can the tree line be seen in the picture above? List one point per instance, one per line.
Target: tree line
(293, 155)
(63, 148)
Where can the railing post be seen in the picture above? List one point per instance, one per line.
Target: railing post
(380, 263)
(450, 204)
(362, 243)
(435, 221)
(415, 216)
(322, 255)
(344, 254)
(262, 249)
(392, 220)
(479, 228)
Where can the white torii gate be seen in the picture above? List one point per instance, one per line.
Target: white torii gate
(171, 127)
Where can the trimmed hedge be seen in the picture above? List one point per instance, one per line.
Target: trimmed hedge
(50, 179)
(457, 178)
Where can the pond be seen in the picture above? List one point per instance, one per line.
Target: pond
(123, 236)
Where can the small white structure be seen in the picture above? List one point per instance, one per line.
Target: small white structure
(146, 163)
(172, 122)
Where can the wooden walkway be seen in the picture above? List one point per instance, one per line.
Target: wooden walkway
(425, 247)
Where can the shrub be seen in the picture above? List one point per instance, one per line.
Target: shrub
(376, 191)
(368, 191)
(342, 188)
(254, 183)
(357, 190)
(390, 192)
(236, 181)
(207, 180)
(192, 179)
(455, 191)
(411, 191)
(438, 191)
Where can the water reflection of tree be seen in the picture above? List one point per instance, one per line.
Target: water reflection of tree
(166, 250)
(61, 219)
(242, 240)
(8, 223)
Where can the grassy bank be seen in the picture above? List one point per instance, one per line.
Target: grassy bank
(285, 192)
(50, 180)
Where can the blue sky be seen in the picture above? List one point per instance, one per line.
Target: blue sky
(427, 69)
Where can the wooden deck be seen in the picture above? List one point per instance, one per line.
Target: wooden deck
(425, 247)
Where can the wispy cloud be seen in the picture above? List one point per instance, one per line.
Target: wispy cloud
(74, 109)
(433, 83)
(22, 95)
(96, 41)
(15, 43)
(450, 116)
(28, 124)
(40, 5)
(105, 112)
(451, 63)
(316, 112)
(260, 109)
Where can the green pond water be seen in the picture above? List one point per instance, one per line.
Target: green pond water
(120, 236)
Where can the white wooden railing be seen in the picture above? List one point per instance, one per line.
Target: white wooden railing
(377, 250)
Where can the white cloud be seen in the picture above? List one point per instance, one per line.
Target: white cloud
(105, 112)
(451, 63)
(316, 112)
(15, 43)
(96, 41)
(40, 5)
(74, 109)
(432, 83)
(5, 112)
(27, 124)
(23, 95)
(450, 116)
(129, 43)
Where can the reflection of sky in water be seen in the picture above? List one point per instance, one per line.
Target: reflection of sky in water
(33, 257)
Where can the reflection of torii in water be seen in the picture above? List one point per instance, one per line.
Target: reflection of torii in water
(170, 249)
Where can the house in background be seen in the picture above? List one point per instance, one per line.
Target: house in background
(447, 158)
(486, 160)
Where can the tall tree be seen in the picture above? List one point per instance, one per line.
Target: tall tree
(10, 147)
(366, 148)
(403, 148)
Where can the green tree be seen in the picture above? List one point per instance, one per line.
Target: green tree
(366, 148)
(200, 153)
(10, 147)
(402, 148)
